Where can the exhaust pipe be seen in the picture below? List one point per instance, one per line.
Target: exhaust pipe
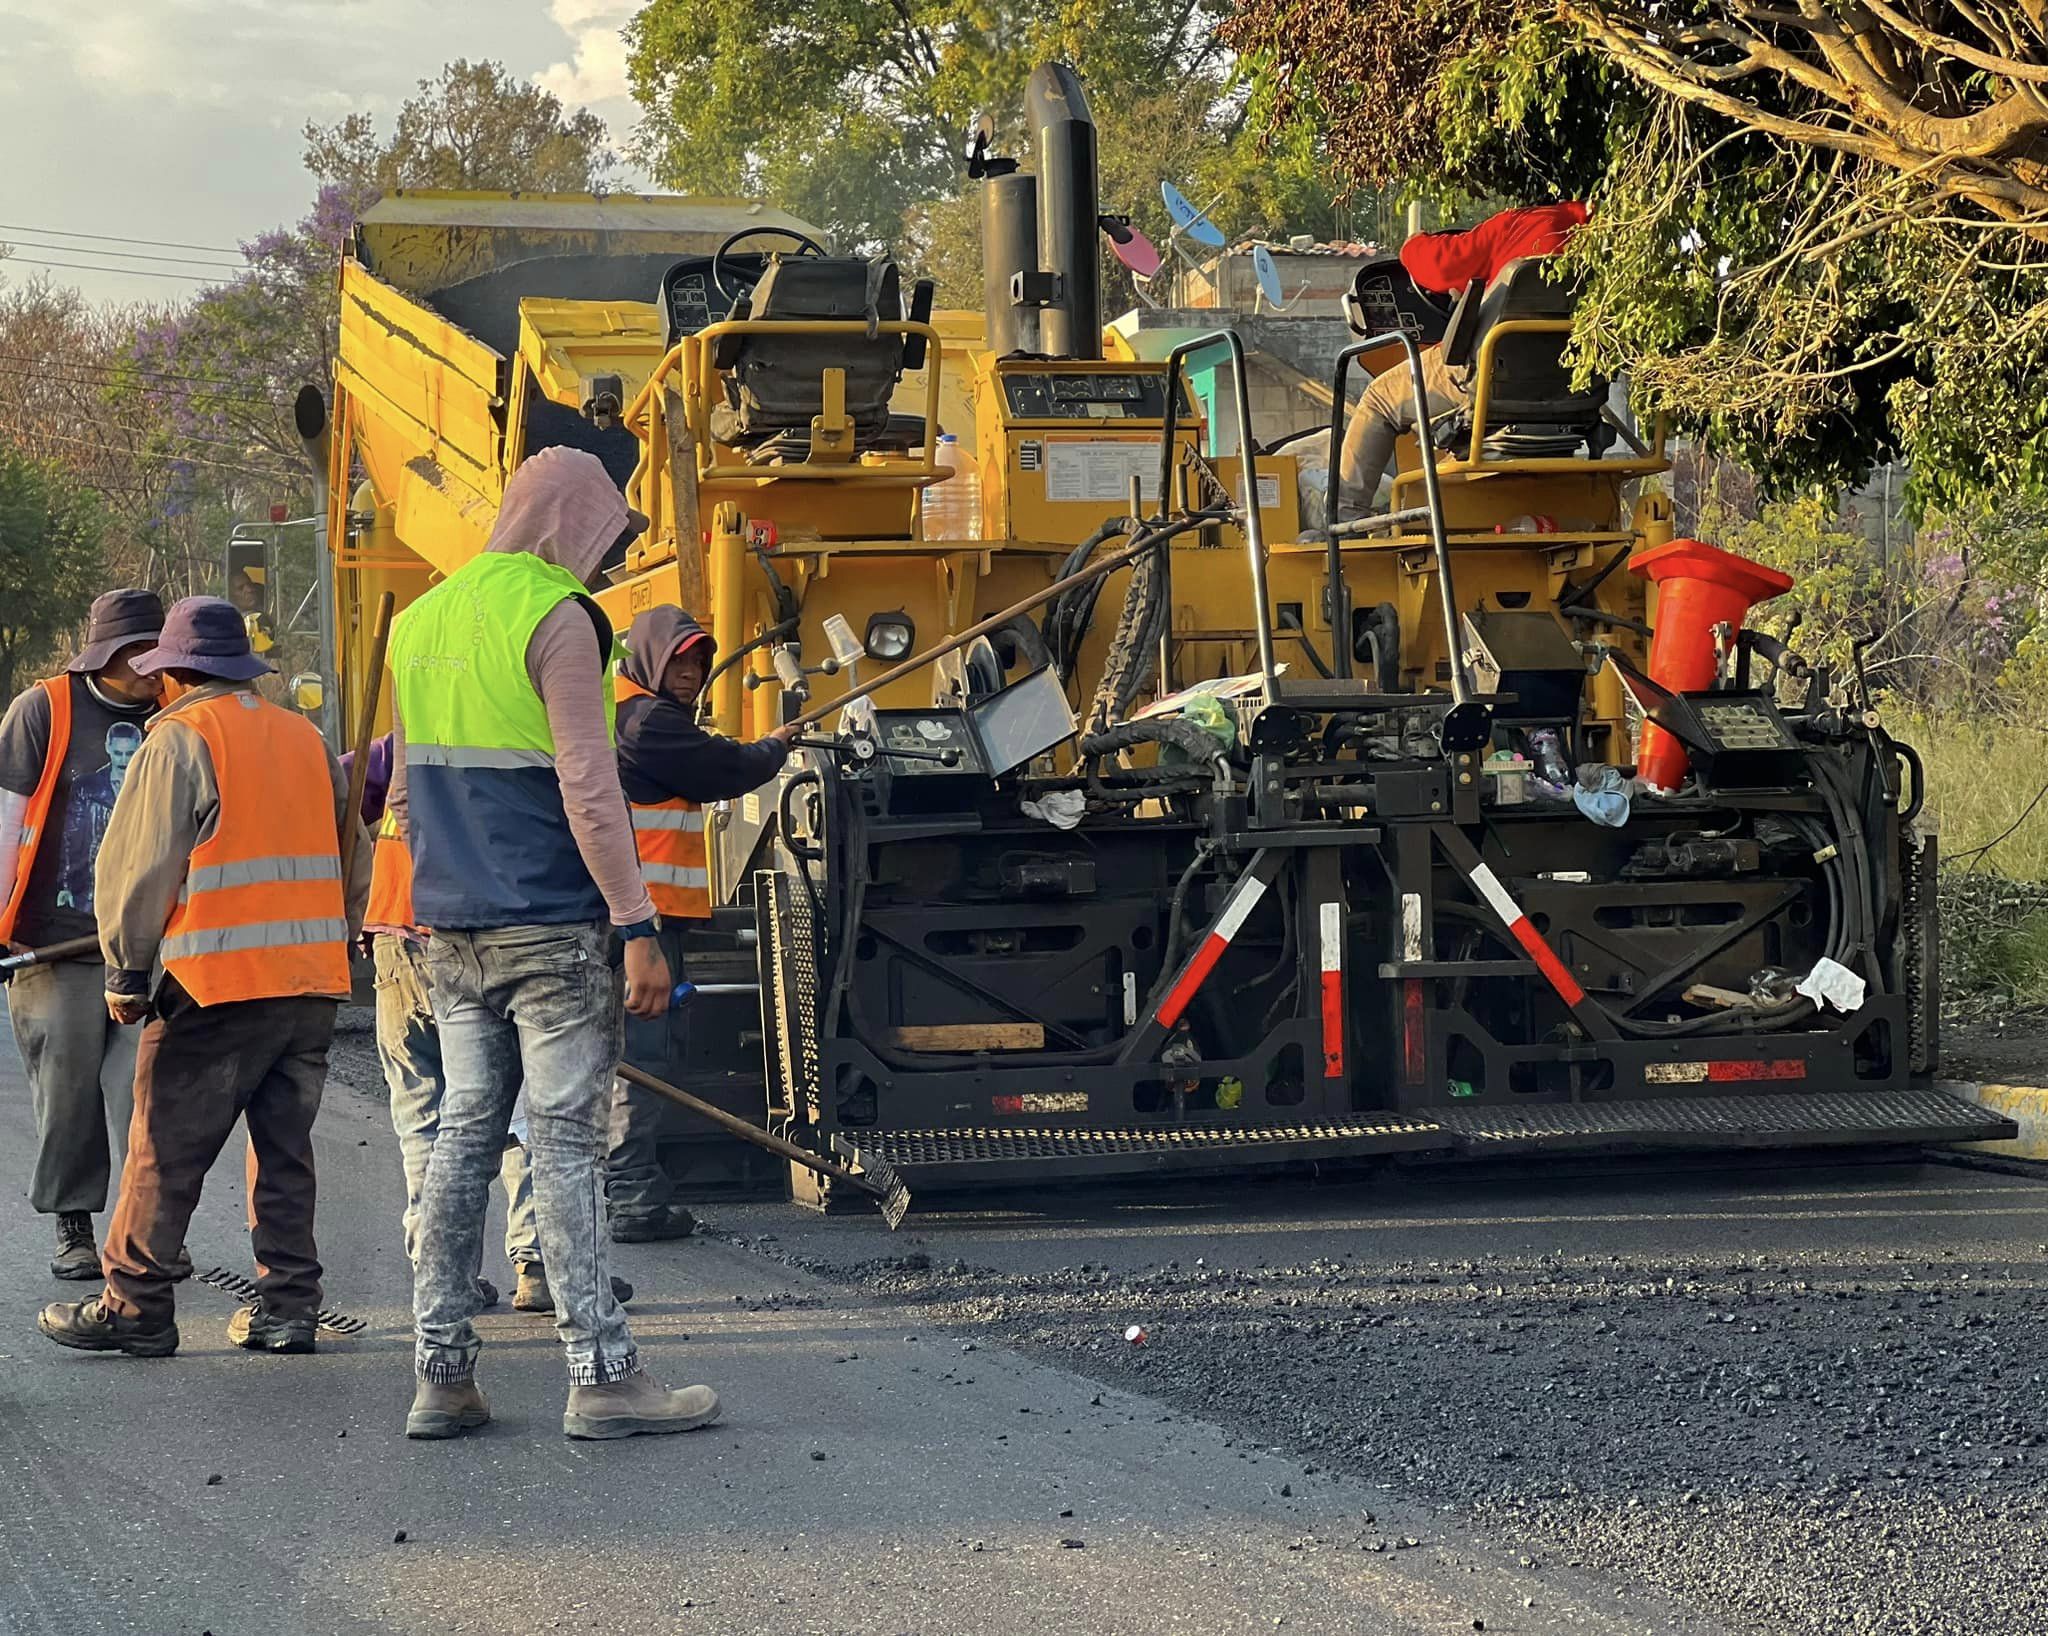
(1009, 251)
(1071, 325)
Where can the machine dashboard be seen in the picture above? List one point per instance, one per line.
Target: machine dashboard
(1085, 395)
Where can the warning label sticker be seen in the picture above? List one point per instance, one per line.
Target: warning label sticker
(1103, 470)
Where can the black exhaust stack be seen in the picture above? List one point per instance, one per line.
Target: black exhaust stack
(1071, 324)
(1009, 251)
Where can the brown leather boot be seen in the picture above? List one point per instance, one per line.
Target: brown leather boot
(446, 1408)
(637, 1406)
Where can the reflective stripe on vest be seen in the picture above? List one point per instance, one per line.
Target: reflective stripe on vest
(669, 836)
(34, 817)
(262, 914)
(390, 880)
(490, 840)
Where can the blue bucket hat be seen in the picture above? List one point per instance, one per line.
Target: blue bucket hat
(205, 634)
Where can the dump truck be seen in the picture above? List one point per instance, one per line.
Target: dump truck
(1142, 832)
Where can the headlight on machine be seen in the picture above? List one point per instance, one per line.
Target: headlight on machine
(889, 636)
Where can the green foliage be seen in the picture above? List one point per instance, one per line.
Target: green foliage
(51, 562)
(855, 115)
(472, 126)
(1806, 291)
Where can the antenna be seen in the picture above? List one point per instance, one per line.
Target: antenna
(1130, 246)
(1268, 276)
(1187, 219)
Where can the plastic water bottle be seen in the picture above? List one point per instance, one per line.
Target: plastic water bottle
(952, 507)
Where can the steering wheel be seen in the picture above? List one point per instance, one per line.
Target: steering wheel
(805, 245)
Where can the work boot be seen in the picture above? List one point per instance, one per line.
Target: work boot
(533, 1294)
(87, 1326)
(76, 1256)
(254, 1329)
(651, 1226)
(446, 1408)
(487, 1292)
(637, 1406)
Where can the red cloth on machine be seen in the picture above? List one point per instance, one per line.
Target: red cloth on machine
(1447, 262)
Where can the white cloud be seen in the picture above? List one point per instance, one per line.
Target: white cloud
(595, 72)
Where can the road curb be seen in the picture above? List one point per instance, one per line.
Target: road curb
(2025, 1105)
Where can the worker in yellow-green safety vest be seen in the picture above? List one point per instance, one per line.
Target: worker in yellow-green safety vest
(668, 766)
(506, 790)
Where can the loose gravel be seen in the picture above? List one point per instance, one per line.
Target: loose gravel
(1788, 1443)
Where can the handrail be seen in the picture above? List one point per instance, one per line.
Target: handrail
(1254, 528)
(1425, 438)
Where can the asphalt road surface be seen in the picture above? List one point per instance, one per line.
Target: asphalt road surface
(1783, 1399)
(871, 1474)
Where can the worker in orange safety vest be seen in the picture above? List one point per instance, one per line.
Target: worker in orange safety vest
(229, 885)
(65, 749)
(669, 767)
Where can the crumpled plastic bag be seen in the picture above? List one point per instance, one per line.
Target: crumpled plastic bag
(1833, 983)
(1060, 808)
(1206, 711)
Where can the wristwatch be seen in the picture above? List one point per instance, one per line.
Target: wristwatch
(641, 928)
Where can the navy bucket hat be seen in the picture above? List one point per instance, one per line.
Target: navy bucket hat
(205, 634)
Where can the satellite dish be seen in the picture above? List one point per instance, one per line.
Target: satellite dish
(1268, 277)
(1135, 251)
(1187, 219)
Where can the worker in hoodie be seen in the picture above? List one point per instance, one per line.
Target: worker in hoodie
(668, 767)
(506, 792)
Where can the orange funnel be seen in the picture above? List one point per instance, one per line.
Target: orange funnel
(1699, 586)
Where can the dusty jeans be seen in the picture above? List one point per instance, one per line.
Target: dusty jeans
(539, 1005)
(410, 1051)
(635, 1180)
(81, 1077)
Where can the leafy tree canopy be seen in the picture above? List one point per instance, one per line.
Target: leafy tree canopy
(855, 114)
(472, 126)
(50, 561)
(1820, 229)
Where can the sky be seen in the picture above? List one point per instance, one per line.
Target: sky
(178, 122)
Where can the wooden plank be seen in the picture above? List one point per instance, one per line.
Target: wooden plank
(969, 1037)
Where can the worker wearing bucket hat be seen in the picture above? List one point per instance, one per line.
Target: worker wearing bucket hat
(65, 749)
(229, 884)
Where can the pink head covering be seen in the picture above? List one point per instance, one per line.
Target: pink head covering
(562, 506)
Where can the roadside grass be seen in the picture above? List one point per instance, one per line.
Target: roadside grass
(1982, 777)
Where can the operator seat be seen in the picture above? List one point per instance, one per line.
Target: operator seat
(775, 384)
(1533, 412)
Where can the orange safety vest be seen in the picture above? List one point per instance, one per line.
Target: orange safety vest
(669, 836)
(59, 690)
(390, 879)
(263, 914)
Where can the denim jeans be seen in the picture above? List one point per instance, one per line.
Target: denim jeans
(410, 1051)
(539, 1005)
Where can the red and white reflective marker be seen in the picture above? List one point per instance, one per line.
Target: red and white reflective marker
(1331, 916)
(1236, 910)
(1554, 970)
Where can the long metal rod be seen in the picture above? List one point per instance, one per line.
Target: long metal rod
(1146, 541)
(72, 948)
(359, 768)
(733, 1125)
(1254, 528)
